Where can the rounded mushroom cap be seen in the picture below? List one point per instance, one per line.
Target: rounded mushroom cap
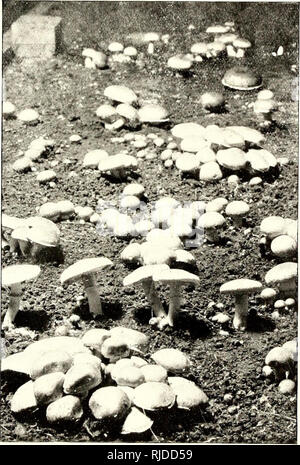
(282, 272)
(232, 138)
(46, 175)
(131, 253)
(130, 202)
(28, 115)
(118, 161)
(172, 276)
(136, 422)
(48, 237)
(8, 108)
(249, 134)
(241, 77)
(128, 376)
(292, 347)
(134, 189)
(84, 267)
(153, 396)
(109, 402)
(237, 208)
(143, 273)
(120, 93)
(187, 163)
(278, 356)
(218, 29)
(241, 43)
(233, 159)
(93, 158)
(211, 220)
(173, 360)
(20, 234)
(179, 63)
(106, 111)
(217, 46)
(199, 48)
(265, 94)
(127, 111)
(240, 286)
(49, 210)
(188, 394)
(212, 100)
(185, 130)
(227, 38)
(11, 222)
(264, 106)
(115, 47)
(153, 253)
(22, 164)
(16, 274)
(152, 112)
(205, 155)
(284, 246)
(268, 293)
(216, 205)
(273, 226)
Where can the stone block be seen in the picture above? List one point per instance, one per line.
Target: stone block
(36, 36)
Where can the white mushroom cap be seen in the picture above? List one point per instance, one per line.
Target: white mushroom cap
(194, 144)
(93, 158)
(134, 189)
(22, 164)
(153, 396)
(120, 93)
(264, 106)
(216, 47)
(268, 293)
(240, 286)
(187, 163)
(48, 237)
(233, 159)
(130, 202)
(164, 238)
(232, 138)
(217, 29)
(155, 253)
(210, 171)
(16, 274)
(28, 116)
(185, 130)
(20, 233)
(212, 100)
(46, 175)
(282, 272)
(241, 43)
(152, 112)
(131, 253)
(49, 210)
(8, 109)
(216, 205)
(249, 134)
(211, 220)
(115, 47)
(199, 48)
(106, 111)
(237, 208)
(130, 51)
(10, 222)
(205, 155)
(167, 203)
(143, 273)
(117, 162)
(273, 226)
(179, 63)
(284, 246)
(278, 355)
(265, 94)
(227, 38)
(85, 266)
(127, 111)
(175, 275)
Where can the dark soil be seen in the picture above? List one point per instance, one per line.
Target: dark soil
(63, 87)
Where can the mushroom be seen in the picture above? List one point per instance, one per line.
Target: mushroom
(176, 279)
(240, 288)
(284, 275)
(233, 159)
(241, 78)
(144, 276)
(29, 116)
(86, 270)
(241, 45)
(50, 210)
(8, 110)
(284, 246)
(118, 165)
(210, 172)
(212, 101)
(43, 237)
(120, 94)
(281, 362)
(264, 109)
(153, 113)
(210, 222)
(237, 211)
(19, 238)
(93, 158)
(180, 63)
(13, 276)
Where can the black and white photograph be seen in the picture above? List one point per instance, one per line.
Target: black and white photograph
(149, 225)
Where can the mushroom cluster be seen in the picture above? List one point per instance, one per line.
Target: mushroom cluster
(280, 235)
(37, 149)
(210, 153)
(122, 109)
(280, 363)
(105, 375)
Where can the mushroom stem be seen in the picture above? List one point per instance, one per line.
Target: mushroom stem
(24, 247)
(175, 301)
(212, 235)
(13, 306)
(241, 312)
(153, 298)
(90, 287)
(237, 221)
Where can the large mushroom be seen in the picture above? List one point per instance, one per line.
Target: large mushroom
(176, 279)
(144, 275)
(86, 270)
(240, 288)
(284, 276)
(13, 276)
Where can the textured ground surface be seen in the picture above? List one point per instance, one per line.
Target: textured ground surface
(64, 88)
